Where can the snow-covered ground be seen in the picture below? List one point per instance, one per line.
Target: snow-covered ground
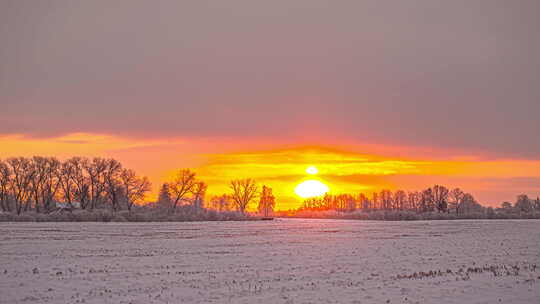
(281, 261)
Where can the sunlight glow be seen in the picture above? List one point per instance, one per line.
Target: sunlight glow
(311, 188)
(312, 170)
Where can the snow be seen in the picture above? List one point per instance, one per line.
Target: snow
(281, 261)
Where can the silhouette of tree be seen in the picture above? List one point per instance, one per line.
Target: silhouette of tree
(134, 187)
(199, 191)
(440, 198)
(181, 186)
(164, 198)
(244, 191)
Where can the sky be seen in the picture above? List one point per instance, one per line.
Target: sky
(376, 94)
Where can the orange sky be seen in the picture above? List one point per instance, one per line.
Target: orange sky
(344, 169)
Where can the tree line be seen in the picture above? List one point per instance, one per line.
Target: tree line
(38, 183)
(187, 189)
(433, 199)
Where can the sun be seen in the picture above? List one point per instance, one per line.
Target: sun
(311, 188)
(312, 170)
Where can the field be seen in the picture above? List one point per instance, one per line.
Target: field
(281, 261)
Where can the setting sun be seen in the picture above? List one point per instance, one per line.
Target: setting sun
(311, 188)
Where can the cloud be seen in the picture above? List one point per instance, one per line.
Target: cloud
(448, 75)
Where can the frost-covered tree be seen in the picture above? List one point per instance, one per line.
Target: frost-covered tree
(267, 201)
(164, 198)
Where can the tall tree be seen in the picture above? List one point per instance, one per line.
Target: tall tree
(199, 191)
(182, 186)
(23, 172)
(164, 198)
(440, 198)
(80, 180)
(456, 197)
(386, 199)
(244, 191)
(67, 180)
(413, 199)
(112, 182)
(96, 172)
(5, 181)
(267, 201)
(134, 187)
(400, 198)
(363, 201)
(427, 201)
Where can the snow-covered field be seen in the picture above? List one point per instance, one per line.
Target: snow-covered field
(281, 261)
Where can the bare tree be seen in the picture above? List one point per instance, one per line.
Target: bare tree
(363, 201)
(199, 191)
(386, 199)
(400, 198)
(5, 180)
(112, 182)
(182, 185)
(456, 197)
(23, 171)
(221, 203)
(135, 187)
(267, 201)
(165, 198)
(66, 176)
(413, 199)
(80, 180)
(244, 191)
(51, 184)
(426, 200)
(96, 171)
(440, 198)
